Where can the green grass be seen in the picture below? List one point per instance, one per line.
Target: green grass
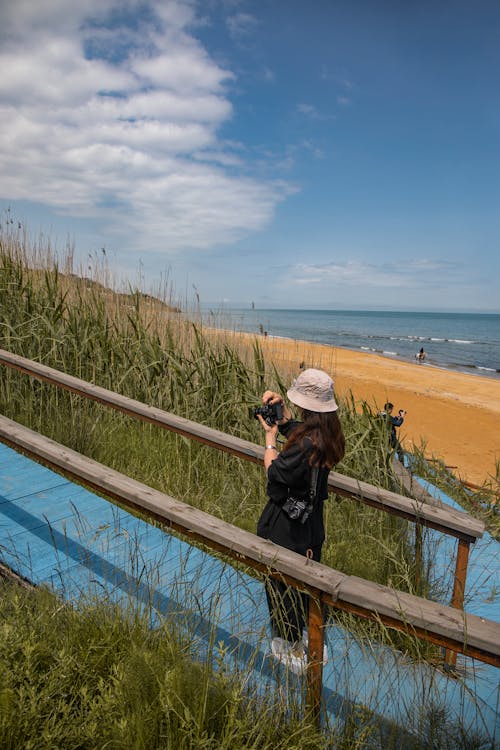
(94, 677)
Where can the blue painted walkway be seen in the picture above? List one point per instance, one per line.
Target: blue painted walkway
(58, 534)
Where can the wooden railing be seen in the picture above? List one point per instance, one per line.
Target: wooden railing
(445, 626)
(445, 520)
(460, 525)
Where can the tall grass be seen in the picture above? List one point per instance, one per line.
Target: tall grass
(94, 677)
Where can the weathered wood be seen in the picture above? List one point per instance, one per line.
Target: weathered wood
(460, 574)
(435, 622)
(422, 614)
(419, 558)
(134, 408)
(189, 520)
(316, 642)
(406, 481)
(446, 520)
(459, 580)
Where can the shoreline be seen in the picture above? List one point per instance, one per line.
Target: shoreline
(468, 370)
(455, 415)
(463, 342)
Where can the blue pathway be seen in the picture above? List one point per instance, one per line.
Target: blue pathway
(80, 545)
(57, 534)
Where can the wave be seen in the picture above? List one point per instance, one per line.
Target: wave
(467, 343)
(475, 367)
(487, 369)
(385, 352)
(409, 339)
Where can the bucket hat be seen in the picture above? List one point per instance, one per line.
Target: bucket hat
(313, 390)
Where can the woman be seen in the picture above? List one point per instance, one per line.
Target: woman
(313, 446)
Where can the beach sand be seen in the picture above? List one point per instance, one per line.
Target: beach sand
(455, 415)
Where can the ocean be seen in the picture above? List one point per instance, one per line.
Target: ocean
(467, 342)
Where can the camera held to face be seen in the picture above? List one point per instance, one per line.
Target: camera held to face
(270, 413)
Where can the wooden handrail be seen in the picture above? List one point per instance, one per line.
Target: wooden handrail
(446, 520)
(445, 626)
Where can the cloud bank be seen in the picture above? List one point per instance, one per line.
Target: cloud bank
(111, 110)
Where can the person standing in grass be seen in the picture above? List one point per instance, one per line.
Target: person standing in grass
(313, 446)
(392, 423)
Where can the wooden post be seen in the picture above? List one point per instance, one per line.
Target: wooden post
(418, 559)
(457, 601)
(316, 636)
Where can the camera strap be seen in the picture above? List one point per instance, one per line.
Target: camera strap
(313, 486)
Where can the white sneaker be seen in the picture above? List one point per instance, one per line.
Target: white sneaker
(280, 647)
(305, 641)
(293, 656)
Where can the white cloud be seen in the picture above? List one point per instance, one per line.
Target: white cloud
(361, 274)
(183, 69)
(241, 25)
(268, 75)
(307, 109)
(110, 109)
(310, 111)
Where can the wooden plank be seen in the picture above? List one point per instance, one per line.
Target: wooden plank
(17, 480)
(423, 614)
(58, 502)
(132, 546)
(336, 588)
(87, 521)
(448, 521)
(192, 521)
(123, 557)
(72, 551)
(445, 519)
(135, 408)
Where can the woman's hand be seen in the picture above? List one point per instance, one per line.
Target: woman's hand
(271, 397)
(271, 430)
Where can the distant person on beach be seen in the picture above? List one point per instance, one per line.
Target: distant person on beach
(297, 486)
(394, 422)
(421, 355)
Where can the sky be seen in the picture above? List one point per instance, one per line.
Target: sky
(335, 154)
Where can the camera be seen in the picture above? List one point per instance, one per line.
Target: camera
(298, 509)
(402, 412)
(270, 413)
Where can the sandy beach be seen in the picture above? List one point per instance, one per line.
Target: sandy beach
(456, 415)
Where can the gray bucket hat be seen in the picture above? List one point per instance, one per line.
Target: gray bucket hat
(313, 390)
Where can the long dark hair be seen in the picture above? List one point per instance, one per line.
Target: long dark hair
(325, 433)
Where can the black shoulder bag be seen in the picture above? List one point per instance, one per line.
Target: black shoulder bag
(300, 508)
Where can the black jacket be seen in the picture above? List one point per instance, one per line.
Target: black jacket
(291, 470)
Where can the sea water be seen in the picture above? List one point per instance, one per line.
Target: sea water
(467, 342)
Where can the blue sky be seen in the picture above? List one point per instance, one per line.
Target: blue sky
(321, 154)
